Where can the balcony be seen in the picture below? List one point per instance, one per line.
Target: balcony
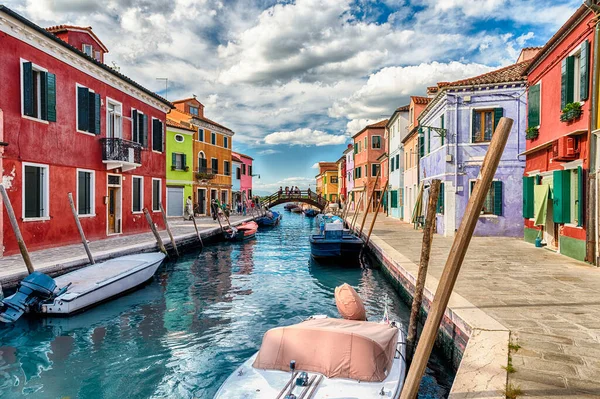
(204, 173)
(119, 153)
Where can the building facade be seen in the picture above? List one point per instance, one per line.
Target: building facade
(397, 129)
(456, 128)
(180, 169)
(341, 178)
(75, 125)
(349, 177)
(557, 154)
(327, 181)
(368, 147)
(236, 179)
(247, 175)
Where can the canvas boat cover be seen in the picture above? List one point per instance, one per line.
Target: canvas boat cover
(336, 348)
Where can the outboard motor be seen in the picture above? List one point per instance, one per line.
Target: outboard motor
(34, 289)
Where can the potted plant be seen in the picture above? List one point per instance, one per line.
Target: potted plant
(570, 112)
(173, 167)
(532, 133)
(186, 168)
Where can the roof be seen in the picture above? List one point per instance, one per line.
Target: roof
(80, 53)
(511, 73)
(235, 158)
(88, 29)
(172, 123)
(202, 118)
(378, 125)
(404, 108)
(186, 100)
(420, 100)
(243, 155)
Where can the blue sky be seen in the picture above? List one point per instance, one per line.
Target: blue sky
(294, 79)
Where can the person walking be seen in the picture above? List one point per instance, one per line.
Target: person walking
(188, 213)
(214, 209)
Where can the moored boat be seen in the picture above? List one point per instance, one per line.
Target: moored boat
(80, 289)
(289, 206)
(296, 209)
(335, 243)
(310, 212)
(244, 231)
(271, 218)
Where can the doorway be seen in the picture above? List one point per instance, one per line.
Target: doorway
(114, 204)
(175, 201)
(213, 195)
(201, 201)
(551, 228)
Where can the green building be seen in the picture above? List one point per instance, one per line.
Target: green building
(180, 170)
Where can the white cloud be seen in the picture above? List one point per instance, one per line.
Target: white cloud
(269, 151)
(305, 137)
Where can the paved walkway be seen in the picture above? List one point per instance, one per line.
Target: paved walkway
(549, 302)
(54, 260)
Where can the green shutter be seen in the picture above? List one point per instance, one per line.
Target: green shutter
(173, 159)
(533, 106)
(394, 199)
(497, 187)
(473, 127)
(324, 180)
(28, 89)
(145, 131)
(561, 196)
(51, 97)
(428, 140)
(134, 126)
(563, 83)
(83, 105)
(580, 196)
(440, 201)
(91, 113)
(584, 70)
(98, 103)
(184, 161)
(567, 84)
(421, 146)
(44, 96)
(498, 113)
(442, 126)
(528, 208)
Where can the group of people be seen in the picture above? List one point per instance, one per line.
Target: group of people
(218, 208)
(289, 191)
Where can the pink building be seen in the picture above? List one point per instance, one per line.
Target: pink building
(246, 175)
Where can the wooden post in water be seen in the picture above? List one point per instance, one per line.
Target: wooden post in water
(159, 240)
(16, 230)
(434, 191)
(197, 232)
(80, 229)
(355, 216)
(370, 201)
(164, 216)
(376, 213)
(456, 257)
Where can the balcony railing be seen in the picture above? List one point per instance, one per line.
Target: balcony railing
(204, 173)
(119, 150)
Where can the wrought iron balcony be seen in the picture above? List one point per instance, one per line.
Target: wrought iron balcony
(119, 153)
(204, 173)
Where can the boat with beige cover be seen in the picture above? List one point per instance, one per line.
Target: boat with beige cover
(324, 357)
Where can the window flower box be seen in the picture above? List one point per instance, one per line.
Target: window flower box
(570, 112)
(532, 133)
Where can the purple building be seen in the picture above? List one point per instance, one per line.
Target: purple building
(465, 114)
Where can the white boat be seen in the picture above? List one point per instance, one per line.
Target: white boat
(323, 357)
(80, 289)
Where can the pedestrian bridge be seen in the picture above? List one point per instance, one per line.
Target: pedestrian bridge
(306, 197)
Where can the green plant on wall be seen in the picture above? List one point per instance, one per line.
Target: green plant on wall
(532, 133)
(571, 111)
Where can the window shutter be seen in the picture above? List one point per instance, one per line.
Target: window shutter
(440, 202)
(497, 187)
(173, 159)
(584, 70)
(184, 160)
(51, 97)
(533, 106)
(421, 146)
(156, 135)
(428, 140)
(580, 196)
(28, 88)
(498, 113)
(567, 84)
(134, 126)
(204, 164)
(528, 207)
(83, 105)
(473, 138)
(97, 114)
(145, 131)
(91, 113)
(560, 195)
(44, 95)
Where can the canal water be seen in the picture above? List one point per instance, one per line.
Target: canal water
(182, 334)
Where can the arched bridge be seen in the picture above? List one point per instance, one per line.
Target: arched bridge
(307, 197)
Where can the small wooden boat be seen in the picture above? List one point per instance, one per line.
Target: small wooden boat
(310, 212)
(80, 289)
(271, 219)
(289, 206)
(244, 231)
(296, 209)
(335, 243)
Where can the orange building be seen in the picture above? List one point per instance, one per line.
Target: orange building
(327, 181)
(212, 154)
(369, 146)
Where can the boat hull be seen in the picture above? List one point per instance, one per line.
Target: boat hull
(347, 247)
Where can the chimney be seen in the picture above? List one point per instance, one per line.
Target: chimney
(528, 53)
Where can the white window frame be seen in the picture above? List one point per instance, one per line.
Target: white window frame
(576, 75)
(226, 196)
(141, 194)
(178, 135)
(159, 194)
(39, 99)
(92, 194)
(151, 134)
(89, 46)
(483, 215)
(380, 142)
(197, 111)
(78, 85)
(139, 113)
(490, 108)
(120, 114)
(180, 154)
(46, 188)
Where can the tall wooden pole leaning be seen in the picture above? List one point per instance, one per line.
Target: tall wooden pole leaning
(434, 191)
(164, 216)
(376, 212)
(355, 216)
(159, 240)
(455, 258)
(80, 229)
(370, 202)
(16, 230)
(197, 232)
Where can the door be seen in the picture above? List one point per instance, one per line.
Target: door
(202, 201)
(112, 210)
(551, 229)
(213, 195)
(174, 201)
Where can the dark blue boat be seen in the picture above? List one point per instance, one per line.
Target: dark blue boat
(310, 212)
(335, 243)
(271, 219)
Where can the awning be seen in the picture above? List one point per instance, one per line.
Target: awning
(540, 203)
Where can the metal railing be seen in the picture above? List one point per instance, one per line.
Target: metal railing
(204, 173)
(116, 149)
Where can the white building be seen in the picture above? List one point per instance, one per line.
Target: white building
(397, 129)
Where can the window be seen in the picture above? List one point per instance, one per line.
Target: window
(568, 196)
(575, 76)
(98, 56)
(324, 180)
(194, 111)
(138, 194)
(227, 168)
(85, 192)
(225, 142)
(484, 123)
(376, 142)
(114, 118)
(442, 126)
(179, 138)
(365, 144)
(156, 194)
(394, 199)
(249, 193)
(250, 170)
(238, 173)
(533, 106)
(392, 164)
(374, 169)
(244, 169)
(213, 138)
(139, 127)
(178, 161)
(366, 171)
(224, 196)
(201, 135)
(88, 110)
(493, 200)
(35, 191)
(157, 135)
(440, 202)
(397, 161)
(357, 172)
(88, 49)
(202, 165)
(334, 180)
(39, 92)
(215, 166)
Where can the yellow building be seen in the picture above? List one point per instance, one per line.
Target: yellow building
(327, 181)
(212, 154)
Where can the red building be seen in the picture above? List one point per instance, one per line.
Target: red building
(557, 156)
(71, 124)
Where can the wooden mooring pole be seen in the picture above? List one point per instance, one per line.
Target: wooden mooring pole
(434, 191)
(455, 259)
(16, 230)
(355, 216)
(197, 232)
(159, 240)
(376, 213)
(164, 216)
(80, 229)
(370, 202)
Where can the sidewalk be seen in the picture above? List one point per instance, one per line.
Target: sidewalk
(549, 303)
(58, 260)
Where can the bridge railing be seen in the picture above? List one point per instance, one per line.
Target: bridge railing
(300, 196)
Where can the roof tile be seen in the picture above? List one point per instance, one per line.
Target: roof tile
(511, 73)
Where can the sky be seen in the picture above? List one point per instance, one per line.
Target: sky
(295, 79)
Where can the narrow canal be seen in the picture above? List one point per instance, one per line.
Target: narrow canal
(181, 335)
